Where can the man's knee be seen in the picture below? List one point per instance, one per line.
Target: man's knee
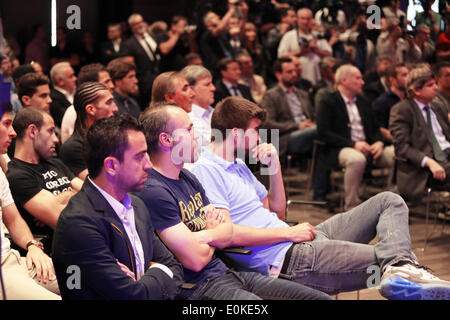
(391, 199)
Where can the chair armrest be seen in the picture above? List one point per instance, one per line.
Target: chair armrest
(312, 202)
(237, 250)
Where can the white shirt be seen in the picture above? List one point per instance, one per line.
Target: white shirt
(310, 62)
(68, 123)
(148, 41)
(6, 200)
(125, 212)
(69, 96)
(357, 129)
(201, 119)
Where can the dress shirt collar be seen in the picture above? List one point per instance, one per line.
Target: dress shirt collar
(119, 207)
(67, 94)
(200, 112)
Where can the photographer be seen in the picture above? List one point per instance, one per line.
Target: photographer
(176, 43)
(430, 18)
(396, 43)
(302, 42)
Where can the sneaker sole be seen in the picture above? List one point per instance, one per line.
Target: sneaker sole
(401, 289)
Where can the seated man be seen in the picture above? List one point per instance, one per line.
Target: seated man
(333, 256)
(123, 75)
(201, 81)
(172, 86)
(346, 124)
(40, 184)
(90, 72)
(106, 232)
(24, 278)
(188, 225)
(34, 91)
(93, 101)
(289, 110)
(421, 134)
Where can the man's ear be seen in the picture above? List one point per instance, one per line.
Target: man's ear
(110, 165)
(32, 131)
(90, 109)
(168, 97)
(165, 140)
(26, 100)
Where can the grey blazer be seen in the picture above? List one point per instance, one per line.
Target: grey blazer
(412, 143)
(279, 114)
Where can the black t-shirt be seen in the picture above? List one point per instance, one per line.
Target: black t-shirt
(173, 201)
(71, 154)
(174, 60)
(27, 179)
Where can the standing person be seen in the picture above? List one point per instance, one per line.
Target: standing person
(107, 232)
(146, 55)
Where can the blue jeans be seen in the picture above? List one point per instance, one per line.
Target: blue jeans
(301, 141)
(254, 286)
(338, 258)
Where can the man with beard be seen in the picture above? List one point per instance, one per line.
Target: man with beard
(289, 110)
(396, 79)
(107, 232)
(34, 91)
(123, 75)
(40, 184)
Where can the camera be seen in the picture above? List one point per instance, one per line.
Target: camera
(190, 28)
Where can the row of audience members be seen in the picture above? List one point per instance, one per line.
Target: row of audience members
(219, 204)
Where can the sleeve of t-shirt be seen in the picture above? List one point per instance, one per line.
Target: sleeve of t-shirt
(197, 185)
(24, 185)
(213, 184)
(261, 190)
(5, 194)
(162, 206)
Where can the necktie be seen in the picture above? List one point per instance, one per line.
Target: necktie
(149, 47)
(235, 89)
(438, 154)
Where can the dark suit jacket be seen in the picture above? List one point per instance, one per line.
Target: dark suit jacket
(412, 142)
(333, 125)
(107, 52)
(222, 92)
(90, 235)
(279, 114)
(58, 106)
(146, 69)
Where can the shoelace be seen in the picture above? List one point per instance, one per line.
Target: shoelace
(426, 272)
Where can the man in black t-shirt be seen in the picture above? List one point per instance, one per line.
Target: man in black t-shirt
(190, 227)
(40, 184)
(92, 101)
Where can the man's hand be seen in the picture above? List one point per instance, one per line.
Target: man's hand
(362, 147)
(436, 169)
(267, 154)
(127, 271)
(214, 216)
(42, 263)
(301, 232)
(376, 150)
(306, 124)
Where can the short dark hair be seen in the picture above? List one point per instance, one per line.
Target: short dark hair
(277, 66)
(28, 83)
(85, 94)
(155, 121)
(235, 112)
(391, 71)
(26, 117)
(439, 66)
(90, 72)
(108, 137)
(224, 62)
(119, 68)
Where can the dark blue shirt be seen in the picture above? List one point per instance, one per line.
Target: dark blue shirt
(173, 201)
(382, 108)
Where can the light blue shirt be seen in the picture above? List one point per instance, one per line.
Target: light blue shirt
(125, 212)
(437, 129)
(201, 119)
(232, 186)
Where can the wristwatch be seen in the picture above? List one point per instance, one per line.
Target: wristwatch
(35, 243)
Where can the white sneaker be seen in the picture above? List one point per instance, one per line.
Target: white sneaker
(406, 281)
